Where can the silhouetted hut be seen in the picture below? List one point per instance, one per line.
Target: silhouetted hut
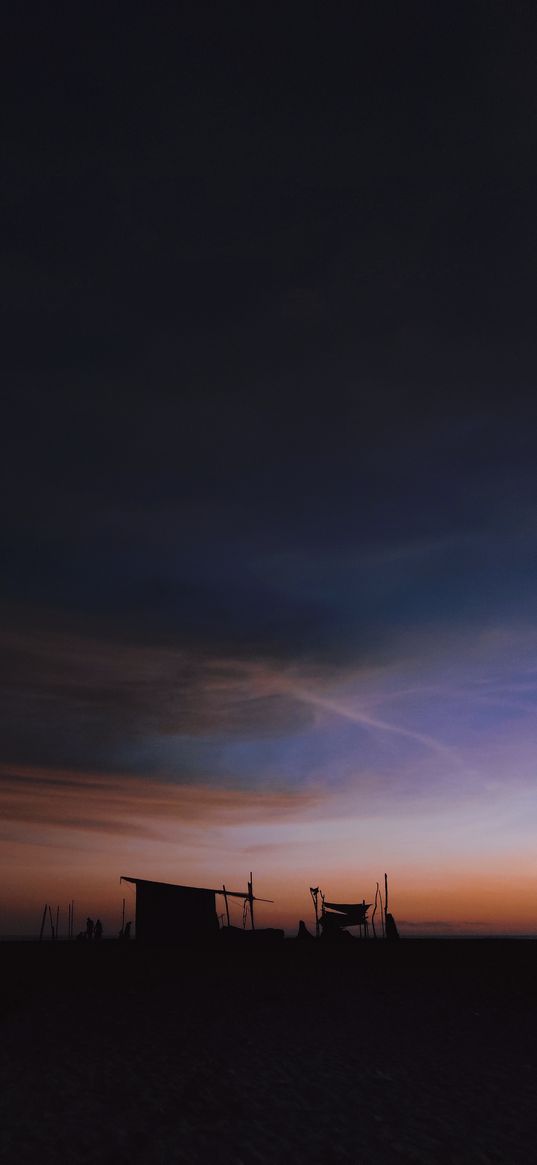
(173, 914)
(166, 913)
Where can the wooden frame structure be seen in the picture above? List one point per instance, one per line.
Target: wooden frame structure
(166, 912)
(335, 917)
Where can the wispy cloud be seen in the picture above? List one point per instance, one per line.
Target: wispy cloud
(360, 716)
(129, 804)
(79, 701)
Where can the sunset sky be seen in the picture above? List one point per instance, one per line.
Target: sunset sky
(269, 583)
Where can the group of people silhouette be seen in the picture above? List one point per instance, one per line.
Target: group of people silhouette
(94, 930)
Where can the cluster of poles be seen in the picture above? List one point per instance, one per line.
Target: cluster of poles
(248, 903)
(51, 918)
(54, 921)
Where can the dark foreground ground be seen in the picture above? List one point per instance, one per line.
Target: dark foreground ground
(416, 1052)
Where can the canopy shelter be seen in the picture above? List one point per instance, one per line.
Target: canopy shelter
(336, 916)
(166, 913)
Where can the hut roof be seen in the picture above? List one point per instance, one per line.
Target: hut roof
(202, 889)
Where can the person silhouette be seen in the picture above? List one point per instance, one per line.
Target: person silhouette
(98, 930)
(89, 928)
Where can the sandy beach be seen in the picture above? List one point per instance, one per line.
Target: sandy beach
(422, 1051)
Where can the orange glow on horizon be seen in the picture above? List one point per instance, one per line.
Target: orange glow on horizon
(71, 835)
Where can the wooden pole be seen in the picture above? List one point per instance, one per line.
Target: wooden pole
(227, 904)
(43, 920)
(314, 891)
(374, 912)
(51, 923)
(251, 899)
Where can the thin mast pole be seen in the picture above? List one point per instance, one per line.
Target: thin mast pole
(51, 923)
(374, 912)
(314, 891)
(251, 899)
(57, 922)
(43, 920)
(227, 903)
(386, 902)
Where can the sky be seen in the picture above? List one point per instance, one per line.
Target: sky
(269, 507)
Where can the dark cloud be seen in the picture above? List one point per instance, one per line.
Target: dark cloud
(270, 354)
(77, 700)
